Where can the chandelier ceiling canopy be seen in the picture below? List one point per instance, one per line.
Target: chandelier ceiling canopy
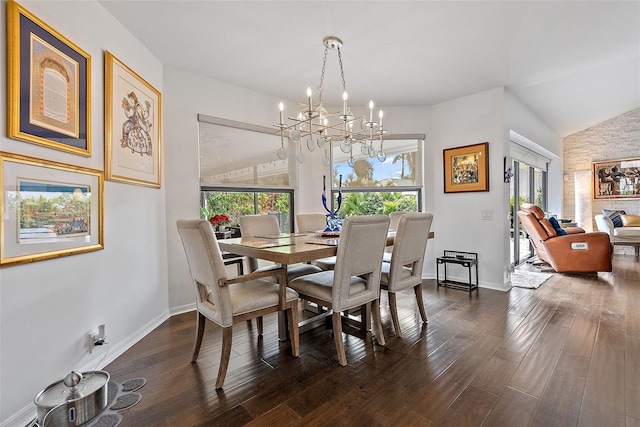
(316, 126)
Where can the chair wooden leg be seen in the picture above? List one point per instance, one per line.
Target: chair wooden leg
(377, 322)
(393, 306)
(294, 333)
(337, 336)
(200, 322)
(418, 290)
(227, 335)
(260, 325)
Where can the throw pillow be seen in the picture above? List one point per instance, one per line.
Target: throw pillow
(615, 216)
(559, 230)
(630, 220)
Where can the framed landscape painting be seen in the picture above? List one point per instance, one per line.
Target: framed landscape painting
(48, 209)
(466, 168)
(616, 179)
(133, 109)
(48, 85)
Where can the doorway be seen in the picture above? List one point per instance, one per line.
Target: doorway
(528, 185)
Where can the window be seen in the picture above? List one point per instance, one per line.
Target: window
(236, 202)
(373, 187)
(235, 178)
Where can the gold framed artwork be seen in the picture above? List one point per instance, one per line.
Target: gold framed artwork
(48, 85)
(133, 109)
(48, 209)
(616, 179)
(466, 168)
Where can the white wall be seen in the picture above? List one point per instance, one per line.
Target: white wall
(185, 96)
(48, 307)
(519, 118)
(470, 120)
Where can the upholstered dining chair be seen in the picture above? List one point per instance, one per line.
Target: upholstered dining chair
(226, 301)
(356, 279)
(407, 258)
(310, 223)
(395, 218)
(260, 225)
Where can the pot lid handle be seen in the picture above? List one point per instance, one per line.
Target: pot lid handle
(72, 379)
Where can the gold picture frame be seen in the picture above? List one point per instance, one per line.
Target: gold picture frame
(616, 179)
(466, 168)
(48, 209)
(48, 85)
(133, 128)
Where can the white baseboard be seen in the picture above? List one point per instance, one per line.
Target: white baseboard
(495, 286)
(27, 414)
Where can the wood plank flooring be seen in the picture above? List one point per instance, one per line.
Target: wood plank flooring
(566, 354)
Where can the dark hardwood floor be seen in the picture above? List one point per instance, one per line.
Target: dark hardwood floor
(565, 354)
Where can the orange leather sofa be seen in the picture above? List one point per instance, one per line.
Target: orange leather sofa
(576, 252)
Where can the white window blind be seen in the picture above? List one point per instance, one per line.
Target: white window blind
(528, 156)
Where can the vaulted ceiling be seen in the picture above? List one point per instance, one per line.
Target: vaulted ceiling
(575, 64)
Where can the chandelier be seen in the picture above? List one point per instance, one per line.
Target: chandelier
(315, 126)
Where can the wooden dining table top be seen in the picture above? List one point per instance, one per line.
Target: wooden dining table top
(288, 248)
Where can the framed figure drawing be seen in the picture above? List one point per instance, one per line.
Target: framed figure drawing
(133, 111)
(48, 85)
(616, 179)
(48, 209)
(466, 168)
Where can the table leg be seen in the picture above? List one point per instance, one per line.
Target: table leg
(282, 317)
(365, 312)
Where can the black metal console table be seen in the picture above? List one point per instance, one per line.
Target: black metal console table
(465, 259)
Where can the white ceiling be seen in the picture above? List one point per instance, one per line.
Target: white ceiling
(575, 64)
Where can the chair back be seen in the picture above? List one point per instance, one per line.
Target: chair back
(395, 219)
(207, 268)
(409, 248)
(530, 217)
(257, 225)
(362, 243)
(311, 222)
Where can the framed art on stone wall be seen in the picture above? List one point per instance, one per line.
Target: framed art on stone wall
(616, 179)
(133, 109)
(48, 85)
(466, 168)
(48, 209)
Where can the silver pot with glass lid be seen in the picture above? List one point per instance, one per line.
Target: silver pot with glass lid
(74, 400)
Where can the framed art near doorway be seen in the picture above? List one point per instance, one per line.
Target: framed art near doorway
(466, 168)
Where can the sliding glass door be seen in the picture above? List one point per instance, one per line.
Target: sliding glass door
(528, 185)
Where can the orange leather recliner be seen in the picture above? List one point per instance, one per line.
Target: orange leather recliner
(577, 252)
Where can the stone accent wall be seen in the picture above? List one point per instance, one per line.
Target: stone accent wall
(617, 138)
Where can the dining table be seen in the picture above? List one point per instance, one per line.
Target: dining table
(292, 248)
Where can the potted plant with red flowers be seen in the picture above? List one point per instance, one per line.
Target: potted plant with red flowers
(219, 221)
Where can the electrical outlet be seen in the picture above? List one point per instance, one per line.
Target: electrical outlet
(96, 338)
(91, 340)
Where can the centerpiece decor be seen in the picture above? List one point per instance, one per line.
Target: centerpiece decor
(333, 222)
(219, 221)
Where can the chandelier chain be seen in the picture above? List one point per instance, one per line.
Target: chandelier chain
(324, 65)
(344, 85)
